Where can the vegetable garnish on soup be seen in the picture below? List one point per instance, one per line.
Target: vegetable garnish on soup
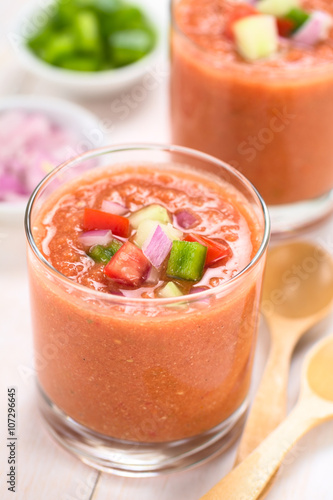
(146, 233)
(260, 28)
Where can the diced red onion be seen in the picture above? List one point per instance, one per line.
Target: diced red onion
(98, 237)
(198, 289)
(313, 30)
(326, 23)
(30, 145)
(156, 247)
(153, 276)
(116, 292)
(186, 219)
(113, 207)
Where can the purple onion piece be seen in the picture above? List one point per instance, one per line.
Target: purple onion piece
(116, 292)
(153, 276)
(31, 144)
(312, 31)
(113, 207)
(198, 289)
(186, 219)
(98, 237)
(157, 247)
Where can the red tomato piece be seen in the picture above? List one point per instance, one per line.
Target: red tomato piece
(97, 219)
(216, 250)
(285, 27)
(128, 266)
(241, 10)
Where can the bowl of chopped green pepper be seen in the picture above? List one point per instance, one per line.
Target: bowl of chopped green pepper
(88, 46)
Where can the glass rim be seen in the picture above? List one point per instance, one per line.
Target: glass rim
(289, 73)
(146, 302)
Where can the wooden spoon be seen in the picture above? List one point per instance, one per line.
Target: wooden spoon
(297, 294)
(315, 405)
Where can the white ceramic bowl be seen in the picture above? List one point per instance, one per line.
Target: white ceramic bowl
(89, 84)
(84, 125)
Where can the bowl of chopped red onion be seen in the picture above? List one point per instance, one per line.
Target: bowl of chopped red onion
(36, 135)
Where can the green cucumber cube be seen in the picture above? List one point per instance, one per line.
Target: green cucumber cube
(187, 260)
(277, 8)
(169, 291)
(256, 36)
(152, 212)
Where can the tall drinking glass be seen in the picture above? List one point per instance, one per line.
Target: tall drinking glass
(140, 386)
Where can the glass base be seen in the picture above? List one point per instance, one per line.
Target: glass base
(294, 217)
(128, 458)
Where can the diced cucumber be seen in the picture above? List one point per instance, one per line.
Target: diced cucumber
(152, 212)
(147, 227)
(169, 291)
(172, 232)
(256, 36)
(277, 8)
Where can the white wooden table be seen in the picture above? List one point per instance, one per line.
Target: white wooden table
(45, 471)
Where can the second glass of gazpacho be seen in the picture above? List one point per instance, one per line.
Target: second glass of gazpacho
(252, 84)
(145, 279)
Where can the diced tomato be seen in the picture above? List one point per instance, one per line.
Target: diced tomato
(128, 266)
(285, 27)
(97, 219)
(241, 10)
(217, 250)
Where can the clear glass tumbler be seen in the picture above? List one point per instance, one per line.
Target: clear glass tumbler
(143, 386)
(270, 119)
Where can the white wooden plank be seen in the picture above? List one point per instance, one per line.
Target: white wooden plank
(44, 470)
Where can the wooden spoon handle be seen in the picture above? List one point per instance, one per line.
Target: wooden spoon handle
(249, 479)
(270, 404)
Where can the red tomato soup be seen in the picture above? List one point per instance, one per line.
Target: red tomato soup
(271, 119)
(119, 361)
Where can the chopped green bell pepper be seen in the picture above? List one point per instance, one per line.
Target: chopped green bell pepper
(187, 260)
(298, 17)
(104, 254)
(87, 32)
(128, 46)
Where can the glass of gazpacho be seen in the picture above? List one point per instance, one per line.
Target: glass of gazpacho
(145, 279)
(252, 84)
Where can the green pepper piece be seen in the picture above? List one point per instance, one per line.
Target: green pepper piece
(86, 30)
(104, 254)
(298, 17)
(99, 6)
(59, 46)
(128, 46)
(187, 260)
(40, 39)
(65, 11)
(80, 63)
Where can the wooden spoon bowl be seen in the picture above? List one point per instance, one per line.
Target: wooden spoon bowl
(315, 405)
(297, 294)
